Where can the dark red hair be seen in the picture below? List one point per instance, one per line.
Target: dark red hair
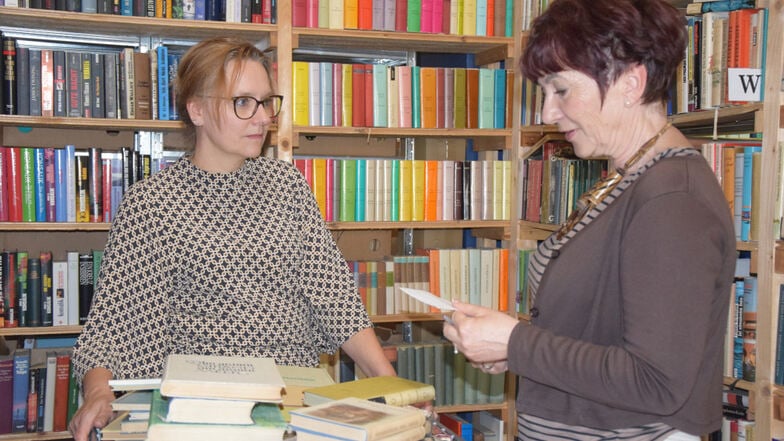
(604, 38)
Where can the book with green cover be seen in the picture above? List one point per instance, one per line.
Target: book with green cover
(268, 424)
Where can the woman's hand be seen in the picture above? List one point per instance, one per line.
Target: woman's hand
(96, 411)
(481, 334)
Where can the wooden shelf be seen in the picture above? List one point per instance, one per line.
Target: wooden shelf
(399, 132)
(470, 407)
(39, 436)
(488, 48)
(108, 124)
(41, 330)
(732, 119)
(54, 226)
(438, 225)
(137, 26)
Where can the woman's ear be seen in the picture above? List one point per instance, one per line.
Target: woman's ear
(196, 111)
(633, 82)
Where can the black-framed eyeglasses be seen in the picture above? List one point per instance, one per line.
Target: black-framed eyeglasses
(247, 106)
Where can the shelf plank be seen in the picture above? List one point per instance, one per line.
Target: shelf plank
(438, 225)
(400, 132)
(399, 41)
(470, 407)
(109, 124)
(732, 119)
(54, 226)
(41, 330)
(121, 24)
(40, 436)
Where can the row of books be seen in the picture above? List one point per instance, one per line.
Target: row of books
(37, 391)
(377, 95)
(366, 190)
(456, 380)
(477, 276)
(49, 79)
(552, 180)
(457, 17)
(41, 291)
(245, 11)
(720, 41)
(46, 184)
(737, 165)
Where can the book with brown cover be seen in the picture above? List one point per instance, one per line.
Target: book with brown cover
(299, 378)
(356, 419)
(142, 85)
(391, 390)
(225, 377)
(472, 98)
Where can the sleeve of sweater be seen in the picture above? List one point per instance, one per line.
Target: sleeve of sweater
(325, 278)
(126, 322)
(672, 253)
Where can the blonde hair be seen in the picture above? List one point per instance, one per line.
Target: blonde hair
(204, 71)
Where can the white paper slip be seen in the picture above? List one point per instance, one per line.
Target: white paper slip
(429, 299)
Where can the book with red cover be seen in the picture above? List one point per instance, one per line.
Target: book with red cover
(401, 16)
(299, 13)
(369, 102)
(365, 14)
(472, 98)
(13, 175)
(358, 95)
(62, 376)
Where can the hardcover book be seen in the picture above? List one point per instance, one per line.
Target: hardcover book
(391, 390)
(300, 378)
(356, 419)
(225, 377)
(268, 423)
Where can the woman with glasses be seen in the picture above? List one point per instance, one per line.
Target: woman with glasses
(224, 252)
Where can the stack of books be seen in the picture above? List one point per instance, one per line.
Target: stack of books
(356, 419)
(215, 397)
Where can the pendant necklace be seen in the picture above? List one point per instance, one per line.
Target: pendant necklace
(593, 197)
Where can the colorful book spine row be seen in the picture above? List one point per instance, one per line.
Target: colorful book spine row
(239, 11)
(720, 40)
(552, 180)
(456, 17)
(38, 392)
(455, 380)
(737, 165)
(88, 82)
(376, 95)
(39, 290)
(474, 275)
(47, 184)
(392, 190)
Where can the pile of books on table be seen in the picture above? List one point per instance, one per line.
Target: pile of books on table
(207, 398)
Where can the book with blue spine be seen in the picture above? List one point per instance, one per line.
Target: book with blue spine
(499, 99)
(39, 184)
(748, 182)
(21, 390)
(60, 186)
(163, 82)
(70, 183)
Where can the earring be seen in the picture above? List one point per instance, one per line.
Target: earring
(627, 103)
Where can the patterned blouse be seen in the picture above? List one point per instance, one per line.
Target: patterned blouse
(236, 263)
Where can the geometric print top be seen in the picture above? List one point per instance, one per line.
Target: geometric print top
(237, 263)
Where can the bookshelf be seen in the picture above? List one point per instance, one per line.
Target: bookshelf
(286, 138)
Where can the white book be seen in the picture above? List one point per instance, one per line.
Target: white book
(70, 182)
(314, 89)
(326, 103)
(448, 197)
(51, 376)
(370, 190)
(59, 289)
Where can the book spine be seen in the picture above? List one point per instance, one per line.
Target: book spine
(21, 385)
(95, 184)
(85, 286)
(27, 162)
(28, 87)
(10, 302)
(82, 192)
(39, 176)
(47, 293)
(59, 103)
(34, 292)
(9, 76)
